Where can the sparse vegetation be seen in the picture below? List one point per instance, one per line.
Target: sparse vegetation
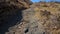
(39, 18)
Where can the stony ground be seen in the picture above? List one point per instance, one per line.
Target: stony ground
(40, 18)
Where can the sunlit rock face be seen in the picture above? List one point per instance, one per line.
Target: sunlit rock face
(40, 18)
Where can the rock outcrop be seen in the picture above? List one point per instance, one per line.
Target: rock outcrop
(9, 8)
(41, 18)
(11, 12)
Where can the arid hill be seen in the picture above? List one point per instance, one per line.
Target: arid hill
(40, 18)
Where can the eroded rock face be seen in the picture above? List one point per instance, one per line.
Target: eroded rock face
(41, 18)
(10, 8)
(11, 13)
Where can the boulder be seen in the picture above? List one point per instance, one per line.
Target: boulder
(9, 8)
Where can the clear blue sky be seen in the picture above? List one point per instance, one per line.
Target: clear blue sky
(45, 0)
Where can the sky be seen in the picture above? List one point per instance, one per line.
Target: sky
(45, 0)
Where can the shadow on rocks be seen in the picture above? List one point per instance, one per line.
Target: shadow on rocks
(9, 16)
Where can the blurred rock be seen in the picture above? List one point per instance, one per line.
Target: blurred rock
(40, 18)
(9, 8)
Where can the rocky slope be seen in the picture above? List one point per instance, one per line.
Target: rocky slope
(10, 8)
(11, 12)
(40, 18)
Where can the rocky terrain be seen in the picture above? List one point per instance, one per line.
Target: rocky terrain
(38, 18)
(11, 7)
(11, 13)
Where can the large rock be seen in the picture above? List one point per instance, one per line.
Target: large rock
(41, 18)
(10, 8)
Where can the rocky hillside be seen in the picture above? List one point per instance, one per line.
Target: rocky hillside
(10, 8)
(40, 18)
(11, 12)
